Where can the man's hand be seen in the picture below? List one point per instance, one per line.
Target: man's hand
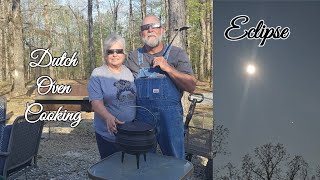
(184, 81)
(162, 63)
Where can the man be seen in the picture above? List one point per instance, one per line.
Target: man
(160, 80)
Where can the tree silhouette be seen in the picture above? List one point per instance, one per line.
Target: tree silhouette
(268, 158)
(232, 172)
(269, 162)
(318, 173)
(294, 166)
(219, 139)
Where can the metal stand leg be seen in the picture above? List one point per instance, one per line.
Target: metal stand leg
(122, 157)
(49, 129)
(137, 157)
(144, 156)
(189, 157)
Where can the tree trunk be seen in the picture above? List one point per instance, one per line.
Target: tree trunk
(48, 33)
(188, 39)
(2, 54)
(84, 50)
(100, 31)
(177, 14)
(143, 6)
(16, 50)
(166, 10)
(115, 9)
(91, 47)
(211, 42)
(82, 40)
(208, 40)
(201, 74)
(69, 48)
(177, 18)
(131, 40)
(4, 41)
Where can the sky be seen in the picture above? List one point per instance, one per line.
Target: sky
(281, 102)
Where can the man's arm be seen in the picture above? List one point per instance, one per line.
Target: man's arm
(131, 64)
(184, 81)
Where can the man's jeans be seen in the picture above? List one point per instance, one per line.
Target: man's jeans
(161, 97)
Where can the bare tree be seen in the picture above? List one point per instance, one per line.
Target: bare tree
(115, 5)
(304, 171)
(143, 6)
(100, 29)
(166, 15)
(219, 139)
(296, 165)
(269, 162)
(202, 67)
(232, 172)
(3, 42)
(177, 18)
(91, 46)
(131, 41)
(209, 27)
(48, 31)
(268, 159)
(247, 167)
(318, 173)
(16, 48)
(81, 38)
(219, 145)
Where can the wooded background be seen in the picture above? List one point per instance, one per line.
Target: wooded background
(75, 25)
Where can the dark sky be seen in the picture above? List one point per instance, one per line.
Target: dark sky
(281, 103)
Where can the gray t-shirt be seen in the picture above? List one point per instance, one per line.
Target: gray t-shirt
(118, 93)
(177, 59)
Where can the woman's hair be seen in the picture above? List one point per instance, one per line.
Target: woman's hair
(110, 40)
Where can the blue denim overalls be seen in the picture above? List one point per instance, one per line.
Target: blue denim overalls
(157, 92)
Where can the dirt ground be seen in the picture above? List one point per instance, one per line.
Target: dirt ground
(69, 152)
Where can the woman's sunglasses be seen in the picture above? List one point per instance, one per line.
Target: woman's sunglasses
(112, 51)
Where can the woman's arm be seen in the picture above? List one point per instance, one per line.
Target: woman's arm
(110, 120)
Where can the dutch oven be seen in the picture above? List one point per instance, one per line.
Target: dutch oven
(136, 138)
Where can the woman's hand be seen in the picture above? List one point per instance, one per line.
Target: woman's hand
(112, 124)
(98, 107)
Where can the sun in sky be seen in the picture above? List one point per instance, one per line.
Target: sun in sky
(251, 69)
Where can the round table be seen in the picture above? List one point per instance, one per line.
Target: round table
(156, 167)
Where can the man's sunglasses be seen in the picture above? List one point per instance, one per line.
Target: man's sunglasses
(147, 26)
(112, 51)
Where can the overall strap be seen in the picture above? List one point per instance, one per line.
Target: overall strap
(140, 56)
(167, 53)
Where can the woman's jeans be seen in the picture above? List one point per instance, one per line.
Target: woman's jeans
(106, 148)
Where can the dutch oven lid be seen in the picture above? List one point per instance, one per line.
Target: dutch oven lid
(135, 127)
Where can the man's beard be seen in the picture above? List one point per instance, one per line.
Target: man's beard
(152, 42)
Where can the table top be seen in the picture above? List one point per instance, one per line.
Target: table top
(62, 98)
(71, 103)
(156, 167)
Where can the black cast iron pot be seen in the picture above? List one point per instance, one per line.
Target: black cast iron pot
(135, 137)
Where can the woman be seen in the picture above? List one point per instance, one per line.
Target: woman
(112, 94)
